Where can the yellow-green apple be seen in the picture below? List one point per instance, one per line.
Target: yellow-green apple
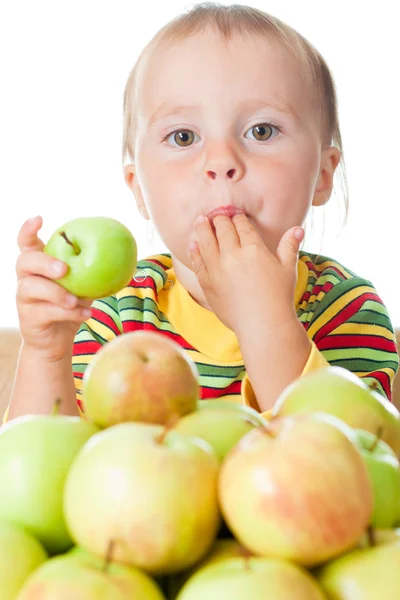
(20, 554)
(221, 427)
(256, 578)
(221, 550)
(100, 252)
(151, 489)
(219, 403)
(384, 470)
(79, 577)
(297, 489)
(371, 574)
(339, 392)
(140, 376)
(36, 452)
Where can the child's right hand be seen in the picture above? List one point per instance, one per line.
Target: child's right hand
(49, 316)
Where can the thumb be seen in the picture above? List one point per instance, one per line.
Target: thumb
(288, 248)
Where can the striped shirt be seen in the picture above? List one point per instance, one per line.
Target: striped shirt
(343, 315)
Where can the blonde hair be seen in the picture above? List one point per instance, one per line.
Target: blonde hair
(239, 19)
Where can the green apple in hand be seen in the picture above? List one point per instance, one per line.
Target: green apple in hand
(101, 254)
(153, 490)
(252, 578)
(36, 452)
(140, 376)
(83, 577)
(297, 489)
(371, 574)
(384, 470)
(222, 426)
(20, 555)
(339, 392)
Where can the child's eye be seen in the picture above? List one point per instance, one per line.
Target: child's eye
(264, 130)
(185, 137)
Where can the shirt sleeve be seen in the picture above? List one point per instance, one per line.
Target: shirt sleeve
(351, 328)
(102, 327)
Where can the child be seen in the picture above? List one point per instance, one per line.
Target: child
(231, 130)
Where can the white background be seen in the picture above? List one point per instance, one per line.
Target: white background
(64, 66)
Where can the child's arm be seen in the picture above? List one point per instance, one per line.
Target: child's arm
(49, 318)
(353, 332)
(274, 360)
(39, 382)
(251, 291)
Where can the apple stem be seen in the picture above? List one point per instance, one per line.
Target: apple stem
(246, 554)
(161, 437)
(247, 565)
(170, 424)
(371, 536)
(109, 555)
(76, 248)
(57, 405)
(373, 385)
(377, 438)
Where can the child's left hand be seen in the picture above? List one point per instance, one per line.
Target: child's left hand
(249, 289)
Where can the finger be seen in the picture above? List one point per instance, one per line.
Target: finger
(288, 248)
(198, 265)
(45, 313)
(35, 288)
(39, 263)
(85, 302)
(246, 232)
(27, 237)
(227, 236)
(207, 241)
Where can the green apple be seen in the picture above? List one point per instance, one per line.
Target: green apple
(339, 392)
(384, 471)
(79, 577)
(372, 574)
(298, 489)
(140, 376)
(251, 578)
(36, 452)
(20, 555)
(100, 252)
(152, 489)
(221, 427)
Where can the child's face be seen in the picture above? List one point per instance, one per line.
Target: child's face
(222, 158)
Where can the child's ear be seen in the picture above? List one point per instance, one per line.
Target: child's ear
(132, 183)
(329, 161)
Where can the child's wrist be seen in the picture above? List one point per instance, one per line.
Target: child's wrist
(47, 356)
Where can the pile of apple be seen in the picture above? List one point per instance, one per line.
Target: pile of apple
(157, 494)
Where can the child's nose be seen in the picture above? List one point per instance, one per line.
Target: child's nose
(230, 173)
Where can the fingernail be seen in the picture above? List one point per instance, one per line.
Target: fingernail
(71, 300)
(57, 267)
(298, 233)
(86, 312)
(200, 219)
(192, 247)
(33, 220)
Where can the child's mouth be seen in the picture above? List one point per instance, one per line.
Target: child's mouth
(228, 211)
